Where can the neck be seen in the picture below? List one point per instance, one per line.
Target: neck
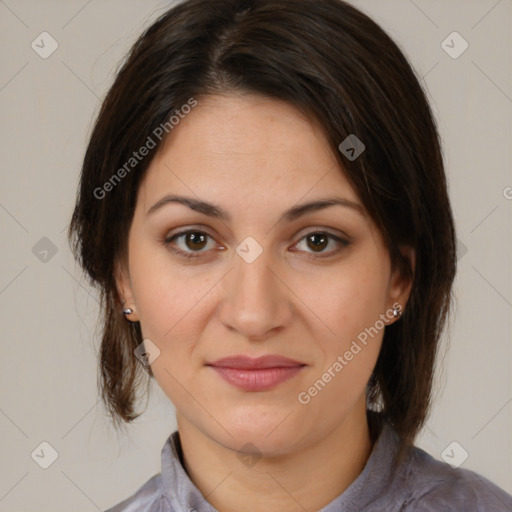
(308, 478)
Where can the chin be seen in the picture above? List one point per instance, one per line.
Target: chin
(271, 433)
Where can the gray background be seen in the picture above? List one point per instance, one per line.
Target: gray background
(48, 313)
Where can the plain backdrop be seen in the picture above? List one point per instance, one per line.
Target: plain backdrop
(48, 313)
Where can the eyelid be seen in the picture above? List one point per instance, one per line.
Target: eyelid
(190, 229)
(341, 239)
(312, 230)
(328, 231)
(180, 232)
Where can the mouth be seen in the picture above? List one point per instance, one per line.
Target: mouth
(256, 374)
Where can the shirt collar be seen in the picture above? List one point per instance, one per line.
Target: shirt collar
(372, 482)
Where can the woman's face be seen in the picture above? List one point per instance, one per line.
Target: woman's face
(258, 274)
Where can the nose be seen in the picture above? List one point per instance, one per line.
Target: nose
(256, 302)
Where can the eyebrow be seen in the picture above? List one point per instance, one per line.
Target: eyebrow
(288, 216)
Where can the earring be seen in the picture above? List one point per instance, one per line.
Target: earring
(126, 311)
(397, 312)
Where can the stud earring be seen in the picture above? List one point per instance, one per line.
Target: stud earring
(397, 312)
(126, 311)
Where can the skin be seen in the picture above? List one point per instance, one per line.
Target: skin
(256, 157)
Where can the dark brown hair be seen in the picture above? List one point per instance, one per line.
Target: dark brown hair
(343, 71)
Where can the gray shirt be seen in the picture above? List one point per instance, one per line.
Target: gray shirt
(420, 483)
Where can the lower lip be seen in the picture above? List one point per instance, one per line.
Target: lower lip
(257, 380)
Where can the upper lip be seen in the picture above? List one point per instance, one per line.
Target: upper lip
(250, 363)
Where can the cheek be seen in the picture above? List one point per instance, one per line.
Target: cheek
(349, 304)
(166, 294)
(351, 308)
(173, 305)
(346, 301)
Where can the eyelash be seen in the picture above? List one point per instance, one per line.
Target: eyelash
(195, 254)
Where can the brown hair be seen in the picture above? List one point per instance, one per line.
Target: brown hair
(341, 69)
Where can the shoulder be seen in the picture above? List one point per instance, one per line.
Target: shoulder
(148, 498)
(434, 485)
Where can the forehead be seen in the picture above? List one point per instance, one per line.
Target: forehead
(251, 149)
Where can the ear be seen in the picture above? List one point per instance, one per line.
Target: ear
(124, 289)
(401, 284)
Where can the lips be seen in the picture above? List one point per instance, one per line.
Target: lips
(256, 374)
(249, 363)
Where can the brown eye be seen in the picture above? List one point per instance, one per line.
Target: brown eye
(195, 241)
(316, 243)
(189, 244)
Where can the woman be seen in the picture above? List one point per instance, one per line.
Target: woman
(264, 208)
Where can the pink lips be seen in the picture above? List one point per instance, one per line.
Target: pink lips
(257, 374)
